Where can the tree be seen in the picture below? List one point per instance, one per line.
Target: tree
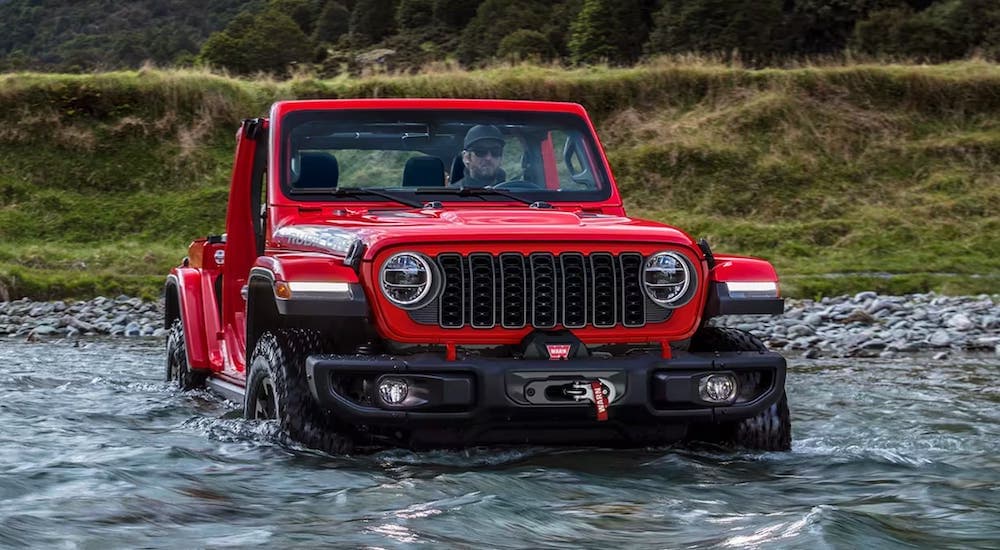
(526, 44)
(945, 30)
(371, 21)
(610, 30)
(494, 20)
(822, 26)
(269, 42)
(303, 12)
(414, 14)
(333, 23)
(455, 14)
(755, 29)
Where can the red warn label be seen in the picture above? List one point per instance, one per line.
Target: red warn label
(600, 400)
(557, 351)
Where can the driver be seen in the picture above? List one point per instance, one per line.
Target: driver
(481, 154)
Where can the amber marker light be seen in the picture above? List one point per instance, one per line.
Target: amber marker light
(282, 290)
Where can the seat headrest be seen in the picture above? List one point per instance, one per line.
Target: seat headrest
(318, 170)
(423, 172)
(457, 169)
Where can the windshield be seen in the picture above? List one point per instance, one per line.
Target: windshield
(535, 156)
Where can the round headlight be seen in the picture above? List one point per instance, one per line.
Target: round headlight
(406, 279)
(666, 278)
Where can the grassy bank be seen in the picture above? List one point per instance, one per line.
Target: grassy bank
(848, 178)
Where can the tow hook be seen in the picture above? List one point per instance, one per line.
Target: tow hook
(583, 390)
(600, 392)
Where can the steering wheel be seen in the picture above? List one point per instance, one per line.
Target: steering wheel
(516, 184)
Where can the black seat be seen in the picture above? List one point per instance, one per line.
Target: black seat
(423, 172)
(318, 170)
(457, 169)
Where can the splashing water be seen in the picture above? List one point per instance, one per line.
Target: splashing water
(97, 451)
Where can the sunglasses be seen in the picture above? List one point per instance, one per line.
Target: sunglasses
(494, 151)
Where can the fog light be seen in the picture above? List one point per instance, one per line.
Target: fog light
(393, 390)
(718, 388)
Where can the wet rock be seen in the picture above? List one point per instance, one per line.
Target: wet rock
(860, 316)
(880, 305)
(814, 319)
(985, 342)
(960, 322)
(940, 339)
(874, 343)
(863, 296)
(41, 309)
(800, 330)
(44, 330)
(73, 322)
(903, 346)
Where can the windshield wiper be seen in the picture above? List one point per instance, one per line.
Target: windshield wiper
(361, 191)
(472, 192)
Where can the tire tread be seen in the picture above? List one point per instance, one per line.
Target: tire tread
(771, 429)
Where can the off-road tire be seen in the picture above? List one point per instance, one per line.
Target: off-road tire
(279, 359)
(771, 429)
(177, 364)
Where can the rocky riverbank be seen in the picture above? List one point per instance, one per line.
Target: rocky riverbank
(870, 325)
(121, 316)
(866, 324)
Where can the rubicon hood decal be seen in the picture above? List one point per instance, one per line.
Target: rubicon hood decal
(329, 239)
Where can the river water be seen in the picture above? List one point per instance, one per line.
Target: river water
(97, 452)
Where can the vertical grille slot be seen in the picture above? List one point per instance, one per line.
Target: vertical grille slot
(451, 306)
(604, 290)
(633, 299)
(514, 295)
(543, 290)
(481, 291)
(574, 290)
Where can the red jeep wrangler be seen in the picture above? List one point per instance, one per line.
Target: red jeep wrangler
(460, 272)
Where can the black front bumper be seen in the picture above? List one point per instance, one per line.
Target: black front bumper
(490, 400)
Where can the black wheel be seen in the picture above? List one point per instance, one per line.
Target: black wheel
(771, 430)
(277, 389)
(177, 365)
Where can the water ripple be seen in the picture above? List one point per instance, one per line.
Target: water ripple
(97, 451)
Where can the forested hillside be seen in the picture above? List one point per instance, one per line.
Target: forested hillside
(75, 35)
(330, 37)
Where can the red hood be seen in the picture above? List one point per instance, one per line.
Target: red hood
(382, 228)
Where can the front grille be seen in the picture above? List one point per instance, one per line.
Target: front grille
(541, 290)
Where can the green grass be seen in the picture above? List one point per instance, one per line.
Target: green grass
(847, 177)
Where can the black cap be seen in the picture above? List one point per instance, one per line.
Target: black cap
(483, 132)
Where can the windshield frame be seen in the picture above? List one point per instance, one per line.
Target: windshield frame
(442, 116)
